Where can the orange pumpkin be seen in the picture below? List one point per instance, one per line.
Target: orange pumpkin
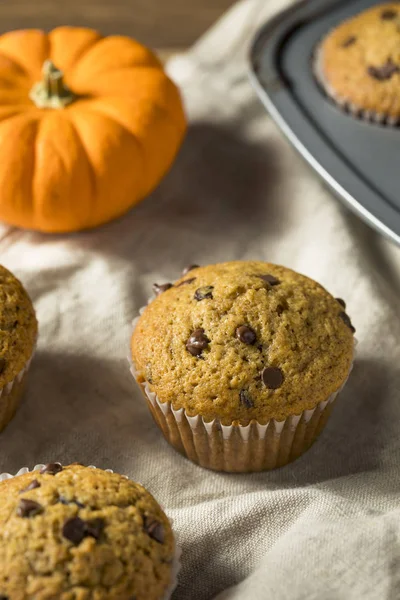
(88, 127)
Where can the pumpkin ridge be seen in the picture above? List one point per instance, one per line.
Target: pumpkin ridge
(58, 202)
(151, 60)
(35, 209)
(93, 95)
(96, 108)
(11, 102)
(139, 143)
(24, 72)
(83, 51)
(20, 114)
(28, 48)
(139, 167)
(115, 121)
(17, 112)
(26, 119)
(89, 161)
(126, 67)
(180, 124)
(16, 95)
(171, 118)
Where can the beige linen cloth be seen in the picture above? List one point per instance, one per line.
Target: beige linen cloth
(326, 527)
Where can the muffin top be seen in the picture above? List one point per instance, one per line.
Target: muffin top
(18, 327)
(243, 340)
(78, 533)
(359, 61)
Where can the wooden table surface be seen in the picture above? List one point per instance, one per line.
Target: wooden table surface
(166, 25)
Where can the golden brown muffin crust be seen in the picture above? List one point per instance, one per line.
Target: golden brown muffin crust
(82, 534)
(295, 350)
(360, 60)
(18, 327)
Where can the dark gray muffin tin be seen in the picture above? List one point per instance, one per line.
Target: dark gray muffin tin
(358, 160)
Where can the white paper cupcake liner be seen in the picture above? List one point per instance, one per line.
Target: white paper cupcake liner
(237, 448)
(344, 103)
(11, 393)
(176, 564)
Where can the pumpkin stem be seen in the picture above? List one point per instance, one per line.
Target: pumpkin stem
(51, 92)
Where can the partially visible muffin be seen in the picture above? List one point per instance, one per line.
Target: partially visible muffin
(358, 64)
(18, 334)
(78, 533)
(240, 343)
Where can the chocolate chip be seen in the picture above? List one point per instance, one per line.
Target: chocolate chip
(246, 334)
(385, 71)
(74, 530)
(346, 319)
(2, 597)
(189, 268)
(94, 528)
(204, 292)
(349, 41)
(51, 468)
(245, 399)
(270, 279)
(272, 377)
(388, 15)
(154, 529)
(2, 365)
(160, 288)
(197, 342)
(341, 302)
(28, 508)
(32, 486)
(186, 281)
(65, 501)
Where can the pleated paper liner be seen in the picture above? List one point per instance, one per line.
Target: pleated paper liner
(236, 448)
(176, 564)
(379, 118)
(11, 394)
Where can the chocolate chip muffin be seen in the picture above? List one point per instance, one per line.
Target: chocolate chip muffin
(82, 533)
(358, 64)
(240, 363)
(18, 333)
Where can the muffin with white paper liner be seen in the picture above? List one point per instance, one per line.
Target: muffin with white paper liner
(240, 363)
(18, 334)
(82, 532)
(358, 64)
